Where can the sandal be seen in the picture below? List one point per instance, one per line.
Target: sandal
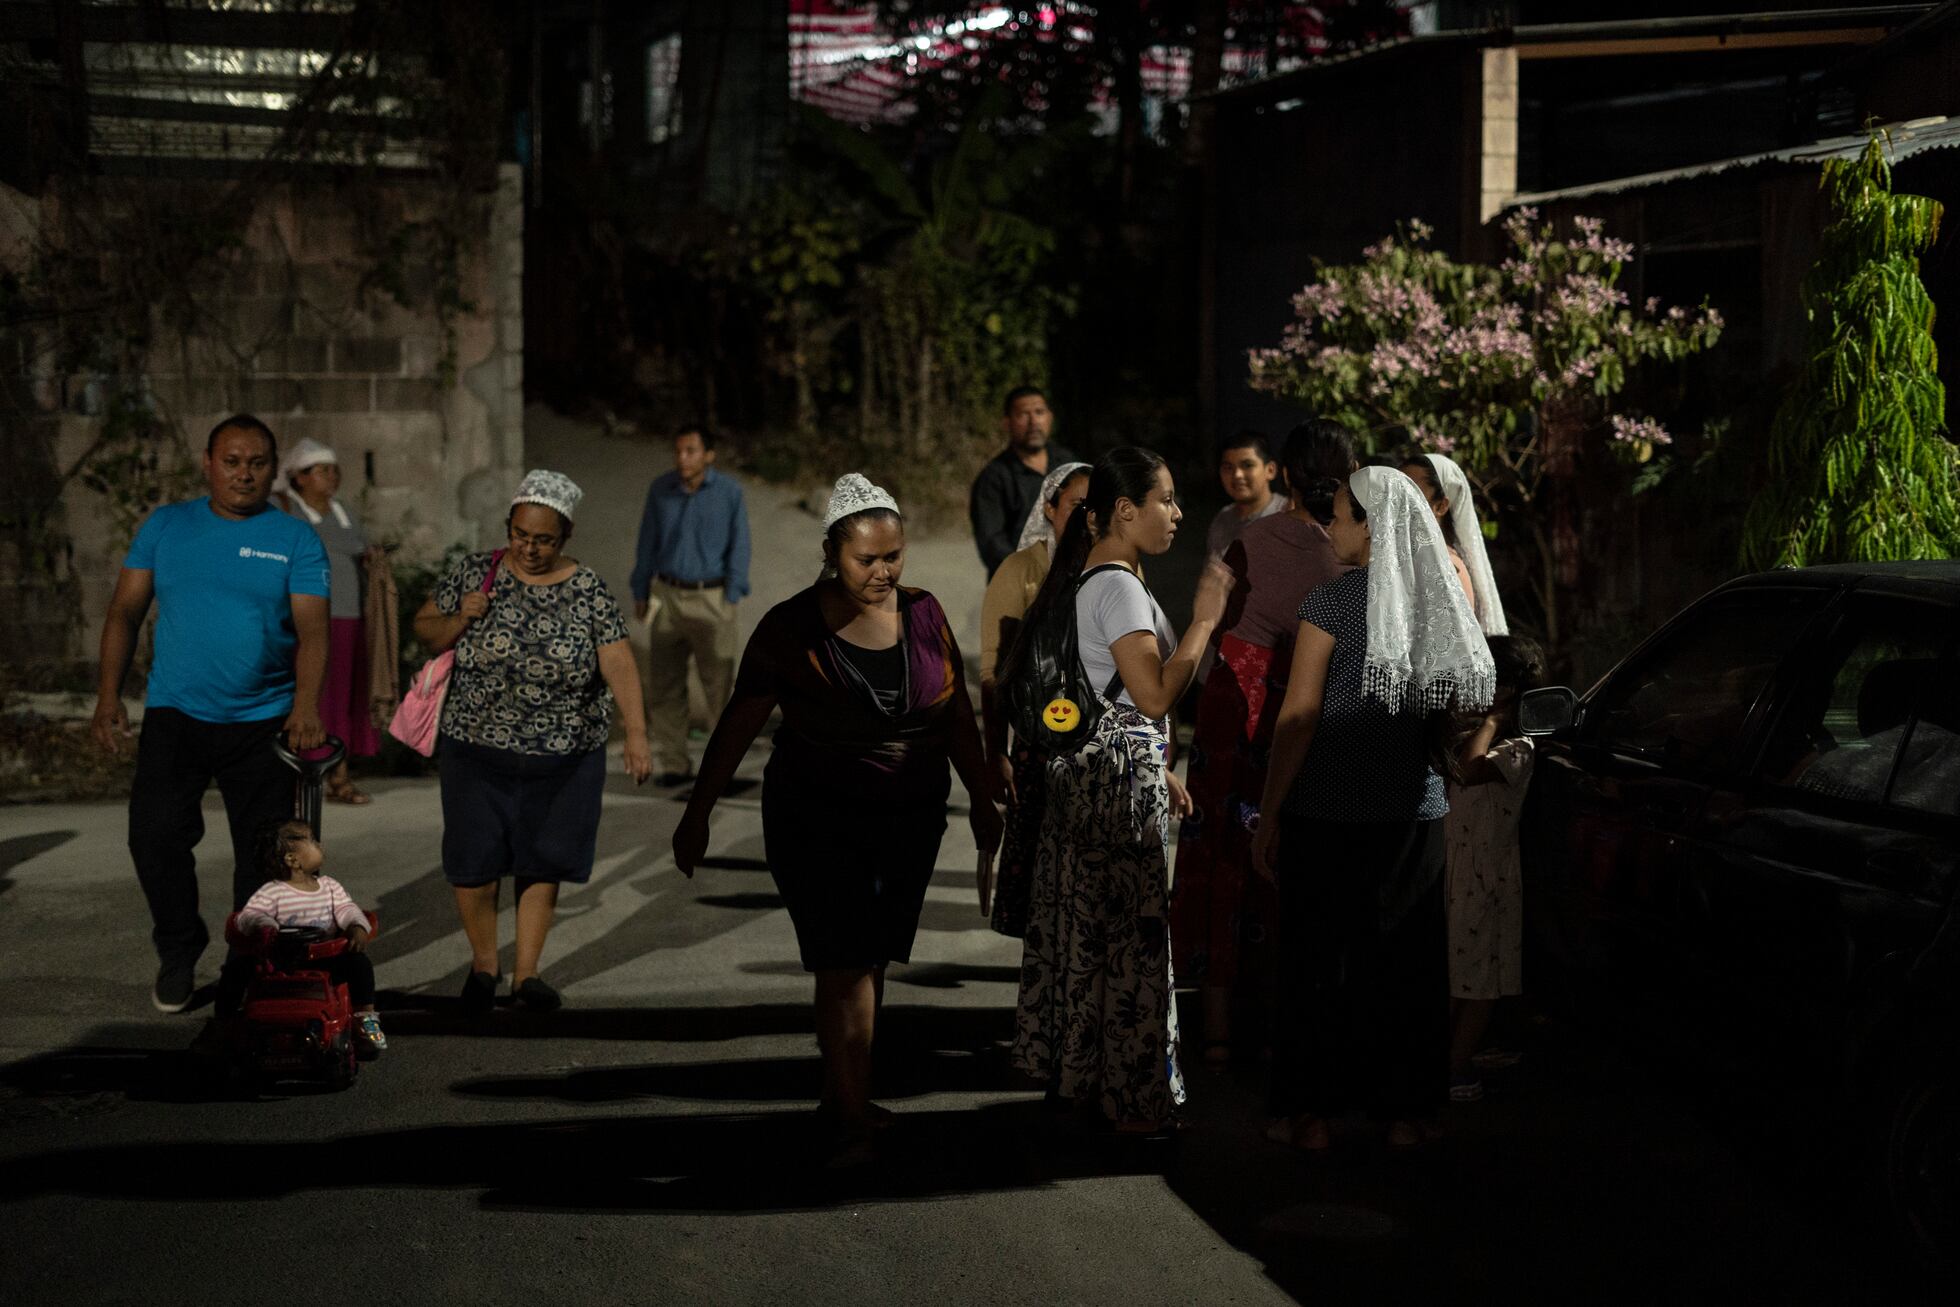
(347, 792)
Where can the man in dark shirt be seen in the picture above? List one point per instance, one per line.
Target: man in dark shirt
(1005, 491)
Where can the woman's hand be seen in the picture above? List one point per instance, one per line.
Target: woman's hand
(1214, 590)
(1181, 805)
(1265, 848)
(639, 758)
(985, 821)
(1004, 781)
(690, 842)
(475, 604)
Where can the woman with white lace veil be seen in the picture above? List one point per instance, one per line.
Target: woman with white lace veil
(1447, 489)
(1353, 828)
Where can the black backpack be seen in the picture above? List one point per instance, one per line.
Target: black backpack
(1050, 704)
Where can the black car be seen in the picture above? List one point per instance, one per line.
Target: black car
(1750, 829)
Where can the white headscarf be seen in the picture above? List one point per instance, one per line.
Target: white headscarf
(1425, 650)
(854, 493)
(307, 453)
(1468, 537)
(552, 489)
(1038, 526)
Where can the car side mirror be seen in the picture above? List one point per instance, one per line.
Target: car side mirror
(1551, 711)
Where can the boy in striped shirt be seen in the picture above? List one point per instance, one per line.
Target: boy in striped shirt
(298, 897)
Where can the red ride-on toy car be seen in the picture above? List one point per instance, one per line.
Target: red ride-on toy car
(297, 1022)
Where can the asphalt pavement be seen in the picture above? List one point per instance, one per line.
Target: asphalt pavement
(651, 1142)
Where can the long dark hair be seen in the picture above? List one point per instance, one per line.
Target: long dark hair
(1317, 458)
(1126, 473)
(1432, 490)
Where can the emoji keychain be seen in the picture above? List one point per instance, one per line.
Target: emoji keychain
(1060, 716)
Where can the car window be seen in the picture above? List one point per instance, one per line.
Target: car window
(1686, 700)
(1871, 720)
(1928, 774)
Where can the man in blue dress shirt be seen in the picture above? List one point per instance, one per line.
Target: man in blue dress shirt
(691, 568)
(241, 647)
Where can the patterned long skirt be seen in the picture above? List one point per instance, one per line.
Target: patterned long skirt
(1096, 1020)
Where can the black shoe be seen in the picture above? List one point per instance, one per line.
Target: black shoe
(668, 779)
(537, 995)
(175, 985)
(480, 991)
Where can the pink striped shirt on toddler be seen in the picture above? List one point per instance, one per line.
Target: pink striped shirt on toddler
(281, 905)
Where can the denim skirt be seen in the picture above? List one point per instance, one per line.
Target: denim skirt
(526, 815)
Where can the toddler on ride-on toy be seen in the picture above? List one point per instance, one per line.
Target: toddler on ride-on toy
(300, 905)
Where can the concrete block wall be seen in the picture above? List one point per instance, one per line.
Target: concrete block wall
(293, 330)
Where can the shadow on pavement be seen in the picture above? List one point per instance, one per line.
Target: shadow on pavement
(901, 1026)
(749, 902)
(719, 1163)
(734, 864)
(1575, 1181)
(98, 1074)
(26, 848)
(901, 1074)
(922, 975)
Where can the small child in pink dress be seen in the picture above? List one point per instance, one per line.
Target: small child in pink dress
(1483, 883)
(299, 897)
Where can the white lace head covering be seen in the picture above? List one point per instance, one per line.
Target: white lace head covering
(854, 494)
(1468, 538)
(552, 489)
(307, 453)
(1038, 526)
(1425, 650)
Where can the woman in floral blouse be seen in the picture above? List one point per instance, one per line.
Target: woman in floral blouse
(541, 655)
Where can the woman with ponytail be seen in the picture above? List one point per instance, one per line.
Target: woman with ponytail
(1353, 828)
(1222, 919)
(1096, 1020)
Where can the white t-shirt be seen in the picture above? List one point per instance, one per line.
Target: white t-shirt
(1108, 606)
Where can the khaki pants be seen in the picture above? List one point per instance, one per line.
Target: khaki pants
(684, 622)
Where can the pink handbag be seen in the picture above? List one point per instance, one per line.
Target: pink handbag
(417, 720)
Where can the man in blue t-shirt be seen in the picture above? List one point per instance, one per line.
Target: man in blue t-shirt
(241, 646)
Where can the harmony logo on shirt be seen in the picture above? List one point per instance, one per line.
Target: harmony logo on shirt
(246, 551)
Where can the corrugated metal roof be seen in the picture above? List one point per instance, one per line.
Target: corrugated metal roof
(1278, 85)
(1907, 139)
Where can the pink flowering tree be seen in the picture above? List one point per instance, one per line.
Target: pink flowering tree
(1515, 371)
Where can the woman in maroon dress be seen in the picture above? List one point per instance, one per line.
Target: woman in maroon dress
(1222, 919)
(874, 703)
